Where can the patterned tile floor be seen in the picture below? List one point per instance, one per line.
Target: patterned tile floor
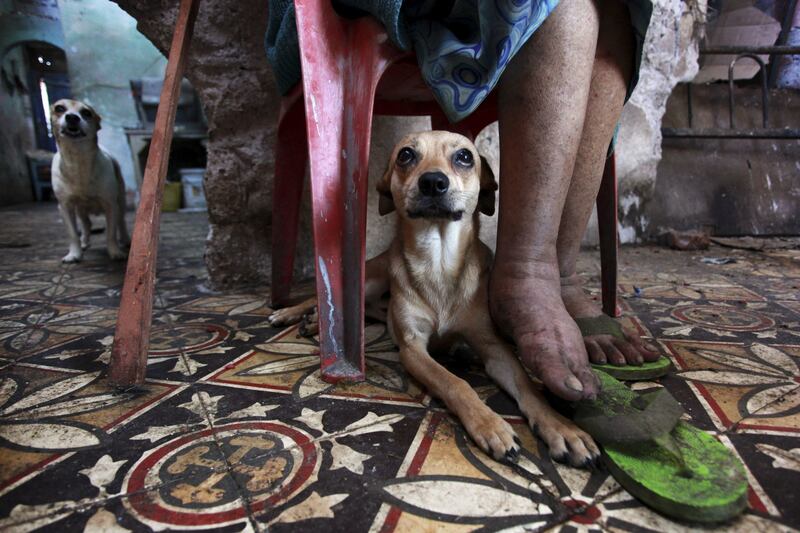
(234, 430)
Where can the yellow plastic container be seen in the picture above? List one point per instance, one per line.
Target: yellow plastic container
(172, 196)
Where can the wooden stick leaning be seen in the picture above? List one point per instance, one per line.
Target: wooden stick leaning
(131, 339)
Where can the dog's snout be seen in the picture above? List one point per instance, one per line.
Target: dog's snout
(433, 184)
(72, 119)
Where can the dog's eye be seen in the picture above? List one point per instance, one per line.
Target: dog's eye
(464, 158)
(59, 108)
(85, 113)
(406, 156)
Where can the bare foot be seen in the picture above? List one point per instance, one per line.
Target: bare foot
(525, 302)
(602, 349)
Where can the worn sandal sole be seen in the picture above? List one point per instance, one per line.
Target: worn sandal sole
(605, 325)
(671, 466)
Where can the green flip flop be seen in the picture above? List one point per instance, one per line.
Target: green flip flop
(671, 466)
(605, 325)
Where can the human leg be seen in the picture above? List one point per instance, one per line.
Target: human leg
(611, 74)
(542, 101)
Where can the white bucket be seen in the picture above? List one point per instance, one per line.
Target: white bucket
(193, 195)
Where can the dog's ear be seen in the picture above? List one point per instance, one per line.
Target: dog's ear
(97, 118)
(384, 188)
(486, 198)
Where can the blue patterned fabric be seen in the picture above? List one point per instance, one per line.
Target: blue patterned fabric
(462, 46)
(463, 54)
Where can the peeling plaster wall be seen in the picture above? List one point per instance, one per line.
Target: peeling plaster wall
(670, 57)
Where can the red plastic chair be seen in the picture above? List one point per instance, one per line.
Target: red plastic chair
(351, 71)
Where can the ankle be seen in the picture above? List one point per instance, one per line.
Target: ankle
(571, 281)
(525, 269)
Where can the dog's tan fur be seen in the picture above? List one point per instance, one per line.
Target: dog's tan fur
(437, 273)
(86, 180)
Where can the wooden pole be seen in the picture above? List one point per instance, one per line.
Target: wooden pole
(132, 337)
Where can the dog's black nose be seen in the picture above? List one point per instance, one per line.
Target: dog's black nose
(433, 184)
(72, 119)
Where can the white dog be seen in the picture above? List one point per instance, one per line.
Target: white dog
(86, 180)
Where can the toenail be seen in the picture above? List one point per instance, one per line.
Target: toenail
(573, 383)
(561, 458)
(516, 439)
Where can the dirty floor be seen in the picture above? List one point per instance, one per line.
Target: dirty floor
(234, 430)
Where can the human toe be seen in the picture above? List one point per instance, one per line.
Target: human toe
(596, 354)
(614, 356)
(629, 350)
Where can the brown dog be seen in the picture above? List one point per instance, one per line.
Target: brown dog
(437, 273)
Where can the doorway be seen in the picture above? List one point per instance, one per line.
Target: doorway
(48, 82)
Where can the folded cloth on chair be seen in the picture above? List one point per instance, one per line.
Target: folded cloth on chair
(462, 46)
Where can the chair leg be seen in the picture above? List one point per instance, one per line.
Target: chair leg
(291, 155)
(341, 67)
(128, 363)
(607, 225)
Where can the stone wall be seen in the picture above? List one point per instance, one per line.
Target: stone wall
(228, 69)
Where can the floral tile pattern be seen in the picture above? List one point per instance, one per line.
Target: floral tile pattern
(290, 363)
(235, 431)
(747, 388)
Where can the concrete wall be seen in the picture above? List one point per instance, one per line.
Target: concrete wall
(731, 187)
(105, 50)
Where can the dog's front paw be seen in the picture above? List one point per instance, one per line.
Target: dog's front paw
(493, 435)
(309, 326)
(285, 317)
(117, 255)
(72, 257)
(567, 443)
